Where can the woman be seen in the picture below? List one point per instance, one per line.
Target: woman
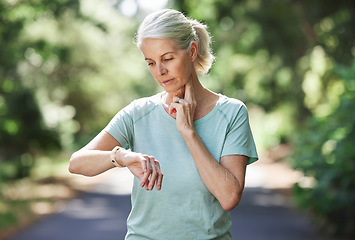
(202, 140)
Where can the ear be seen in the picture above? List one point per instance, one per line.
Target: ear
(193, 50)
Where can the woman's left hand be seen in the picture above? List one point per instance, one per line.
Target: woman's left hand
(185, 109)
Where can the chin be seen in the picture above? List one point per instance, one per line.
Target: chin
(170, 90)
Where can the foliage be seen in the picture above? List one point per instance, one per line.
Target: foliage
(66, 67)
(264, 50)
(291, 59)
(22, 132)
(257, 58)
(325, 152)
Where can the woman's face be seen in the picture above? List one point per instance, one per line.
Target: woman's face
(170, 66)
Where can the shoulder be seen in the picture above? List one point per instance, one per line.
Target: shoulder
(146, 102)
(143, 106)
(232, 110)
(235, 114)
(230, 105)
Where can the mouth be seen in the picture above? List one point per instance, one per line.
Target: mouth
(166, 82)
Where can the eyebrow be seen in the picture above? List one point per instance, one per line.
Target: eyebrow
(160, 56)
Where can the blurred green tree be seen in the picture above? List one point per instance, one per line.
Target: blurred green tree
(292, 63)
(324, 152)
(264, 49)
(22, 132)
(65, 69)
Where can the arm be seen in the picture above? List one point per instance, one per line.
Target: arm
(225, 180)
(95, 158)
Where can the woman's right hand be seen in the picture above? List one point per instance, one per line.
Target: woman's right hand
(145, 167)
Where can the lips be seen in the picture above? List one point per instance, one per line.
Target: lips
(166, 82)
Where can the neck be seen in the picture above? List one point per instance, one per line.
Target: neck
(205, 99)
(200, 92)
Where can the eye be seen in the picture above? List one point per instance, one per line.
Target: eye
(150, 64)
(168, 59)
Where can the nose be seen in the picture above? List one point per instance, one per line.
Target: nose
(162, 70)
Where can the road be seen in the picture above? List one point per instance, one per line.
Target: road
(263, 214)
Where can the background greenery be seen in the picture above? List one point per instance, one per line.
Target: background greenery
(67, 66)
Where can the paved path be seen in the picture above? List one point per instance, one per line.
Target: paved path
(262, 214)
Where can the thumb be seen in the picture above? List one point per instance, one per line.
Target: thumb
(172, 108)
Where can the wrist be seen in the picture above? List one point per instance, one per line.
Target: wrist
(115, 159)
(188, 133)
(121, 156)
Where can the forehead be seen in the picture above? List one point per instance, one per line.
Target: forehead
(152, 47)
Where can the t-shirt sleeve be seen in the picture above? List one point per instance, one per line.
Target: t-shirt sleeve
(121, 126)
(239, 139)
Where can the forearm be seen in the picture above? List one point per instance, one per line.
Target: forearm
(90, 162)
(219, 180)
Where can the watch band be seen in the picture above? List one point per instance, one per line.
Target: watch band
(113, 156)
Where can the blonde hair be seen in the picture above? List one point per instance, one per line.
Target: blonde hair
(168, 23)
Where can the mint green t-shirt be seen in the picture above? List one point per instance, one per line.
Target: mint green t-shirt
(184, 208)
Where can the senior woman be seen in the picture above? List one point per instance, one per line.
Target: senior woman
(200, 140)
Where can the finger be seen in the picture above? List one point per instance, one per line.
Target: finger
(146, 169)
(148, 173)
(182, 102)
(176, 99)
(144, 163)
(189, 94)
(173, 107)
(154, 174)
(146, 186)
(160, 175)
